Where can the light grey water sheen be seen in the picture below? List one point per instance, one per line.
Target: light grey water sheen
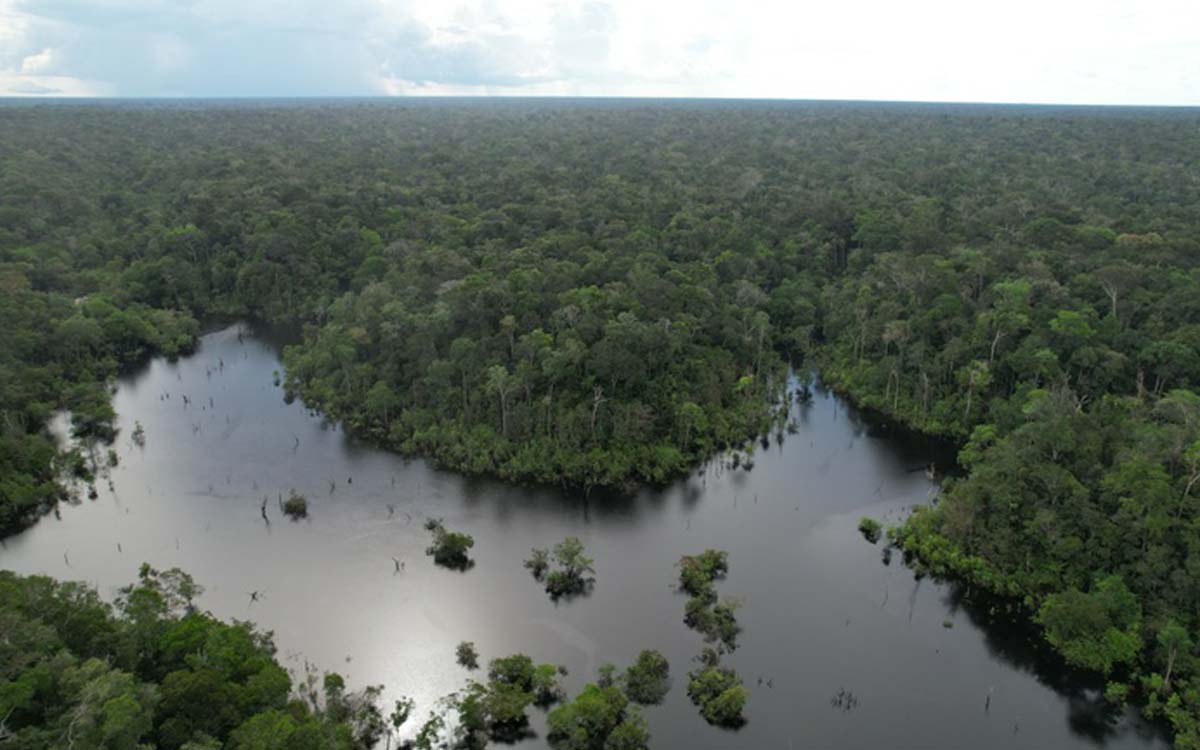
(820, 611)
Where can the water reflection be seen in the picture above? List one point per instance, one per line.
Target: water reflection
(821, 613)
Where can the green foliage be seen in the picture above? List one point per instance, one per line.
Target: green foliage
(466, 655)
(715, 620)
(517, 669)
(428, 736)
(599, 718)
(606, 675)
(648, 680)
(450, 548)
(295, 506)
(538, 563)
(1096, 630)
(571, 572)
(158, 594)
(703, 612)
(871, 529)
(1084, 512)
(717, 691)
(496, 710)
(1175, 648)
(540, 680)
(155, 672)
(401, 712)
(491, 711)
(1116, 693)
(697, 573)
(608, 295)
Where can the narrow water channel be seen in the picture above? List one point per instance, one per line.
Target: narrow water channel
(821, 612)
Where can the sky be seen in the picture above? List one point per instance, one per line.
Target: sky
(1041, 51)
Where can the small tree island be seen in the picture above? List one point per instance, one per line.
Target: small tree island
(572, 574)
(718, 691)
(704, 613)
(648, 680)
(466, 655)
(871, 529)
(296, 506)
(449, 548)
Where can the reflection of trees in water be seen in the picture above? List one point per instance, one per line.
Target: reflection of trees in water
(909, 446)
(1011, 637)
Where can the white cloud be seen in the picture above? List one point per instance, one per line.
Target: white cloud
(1074, 51)
(31, 64)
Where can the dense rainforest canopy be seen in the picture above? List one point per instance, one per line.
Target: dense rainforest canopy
(155, 671)
(601, 292)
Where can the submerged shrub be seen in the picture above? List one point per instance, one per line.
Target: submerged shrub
(871, 529)
(449, 548)
(296, 505)
(648, 680)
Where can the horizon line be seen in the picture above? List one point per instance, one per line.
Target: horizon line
(10, 98)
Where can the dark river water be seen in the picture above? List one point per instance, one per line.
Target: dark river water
(820, 611)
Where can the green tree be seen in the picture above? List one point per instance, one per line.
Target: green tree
(594, 719)
(382, 402)
(1173, 641)
(718, 691)
(648, 679)
(449, 549)
(1098, 629)
(573, 572)
(466, 655)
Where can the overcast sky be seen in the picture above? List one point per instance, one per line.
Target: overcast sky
(1069, 51)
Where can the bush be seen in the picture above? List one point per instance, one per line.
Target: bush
(538, 563)
(296, 506)
(449, 548)
(718, 691)
(466, 655)
(599, 717)
(572, 575)
(871, 529)
(647, 680)
(539, 680)
(725, 710)
(698, 572)
(703, 613)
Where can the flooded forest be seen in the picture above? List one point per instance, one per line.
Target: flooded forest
(598, 424)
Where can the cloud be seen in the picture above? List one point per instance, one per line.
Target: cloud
(32, 64)
(199, 49)
(1111, 51)
(27, 87)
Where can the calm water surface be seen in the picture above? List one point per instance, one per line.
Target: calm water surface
(820, 611)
